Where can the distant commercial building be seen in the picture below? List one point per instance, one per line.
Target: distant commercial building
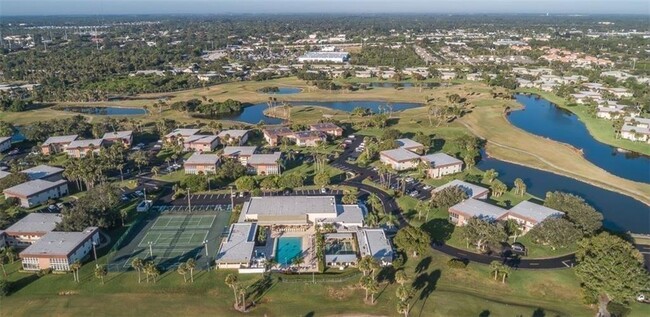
(58, 250)
(320, 57)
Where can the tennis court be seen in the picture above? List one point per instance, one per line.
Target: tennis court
(184, 222)
(174, 235)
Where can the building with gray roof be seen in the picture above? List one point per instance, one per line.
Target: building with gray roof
(529, 214)
(198, 162)
(37, 191)
(31, 228)
(236, 251)
(300, 210)
(399, 159)
(441, 164)
(375, 243)
(58, 250)
(472, 191)
(235, 137)
(410, 145)
(470, 208)
(242, 153)
(44, 172)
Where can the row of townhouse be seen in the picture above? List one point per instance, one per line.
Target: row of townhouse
(636, 129)
(407, 156)
(256, 163)
(193, 141)
(74, 147)
(316, 134)
(42, 247)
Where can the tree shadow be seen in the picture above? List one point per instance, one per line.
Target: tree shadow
(423, 265)
(426, 284)
(539, 313)
(23, 282)
(485, 313)
(440, 230)
(437, 145)
(260, 288)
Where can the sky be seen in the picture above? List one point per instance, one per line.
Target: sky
(107, 7)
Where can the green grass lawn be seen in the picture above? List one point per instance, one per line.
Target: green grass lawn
(601, 129)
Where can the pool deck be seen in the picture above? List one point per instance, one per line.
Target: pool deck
(310, 263)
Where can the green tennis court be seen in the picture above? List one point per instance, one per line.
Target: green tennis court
(161, 239)
(184, 222)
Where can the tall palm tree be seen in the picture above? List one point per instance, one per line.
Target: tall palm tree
(401, 277)
(233, 282)
(242, 294)
(152, 270)
(101, 272)
(390, 220)
(182, 270)
(505, 271)
(74, 267)
(495, 267)
(10, 253)
(138, 264)
(374, 202)
(191, 264)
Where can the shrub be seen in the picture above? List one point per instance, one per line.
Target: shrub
(457, 263)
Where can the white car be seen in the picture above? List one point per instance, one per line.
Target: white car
(427, 187)
(323, 190)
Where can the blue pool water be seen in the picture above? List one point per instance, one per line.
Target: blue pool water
(287, 249)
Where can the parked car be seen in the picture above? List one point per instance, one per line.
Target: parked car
(323, 190)
(53, 208)
(426, 187)
(139, 193)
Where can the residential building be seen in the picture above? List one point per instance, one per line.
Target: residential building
(472, 191)
(441, 164)
(57, 144)
(241, 153)
(447, 75)
(375, 243)
(636, 129)
(4, 174)
(44, 172)
(233, 137)
(201, 143)
(81, 148)
(273, 136)
(309, 138)
(30, 228)
(5, 143)
(612, 110)
(179, 134)
(37, 191)
(201, 163)
(125, 137)
(528, 214)
(328, 128)
(58, 250)
(460, 213)
(399, 159)
(410, 145)
(265, 164)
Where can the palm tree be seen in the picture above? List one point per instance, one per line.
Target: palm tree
(495, 267)
(401, 277)
(10, 253)
(138, 264)
(3, 258)
(182, 270)
(505, 271)
(403, 308)
(242, 293)
(75, 270)
(233, 282)
(370, 285)
(366, 265)
(155, 170)
(374, 202)
(390, 220)
(101, 272)
(520, 187)
(191, 264)
(150, 270)
(404, 293)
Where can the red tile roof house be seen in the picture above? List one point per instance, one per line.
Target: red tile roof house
(310, 138)
(400, 159)
(233, 137)
(126, 137)
(441, 164)
(273, 136)
(5, 143)
(36, 192)
(241, 153)
(201, 143)
(30, 228)
(58, 250)
(327, 128)
(179, 134)
(265, 164)
(81, 148)
(201, 163)
(56, 144)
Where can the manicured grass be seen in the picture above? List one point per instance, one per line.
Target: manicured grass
(601, 129)
(441, 292)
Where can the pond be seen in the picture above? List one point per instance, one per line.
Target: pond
(255, 113)
(545, 119)
(621, 212)
(284, 91)
(106, 111)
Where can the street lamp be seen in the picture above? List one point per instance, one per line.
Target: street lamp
(205, 243)
(150, 243)
(232, 199)
(95, 252)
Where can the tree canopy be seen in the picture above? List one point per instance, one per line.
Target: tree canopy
(412, 240)
(579, 212)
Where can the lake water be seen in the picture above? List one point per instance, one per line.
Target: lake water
(543, 118)
(255, 113)
(621, 213)
(107, 111)
(284, 91)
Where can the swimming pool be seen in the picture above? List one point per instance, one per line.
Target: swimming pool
(287, 249)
